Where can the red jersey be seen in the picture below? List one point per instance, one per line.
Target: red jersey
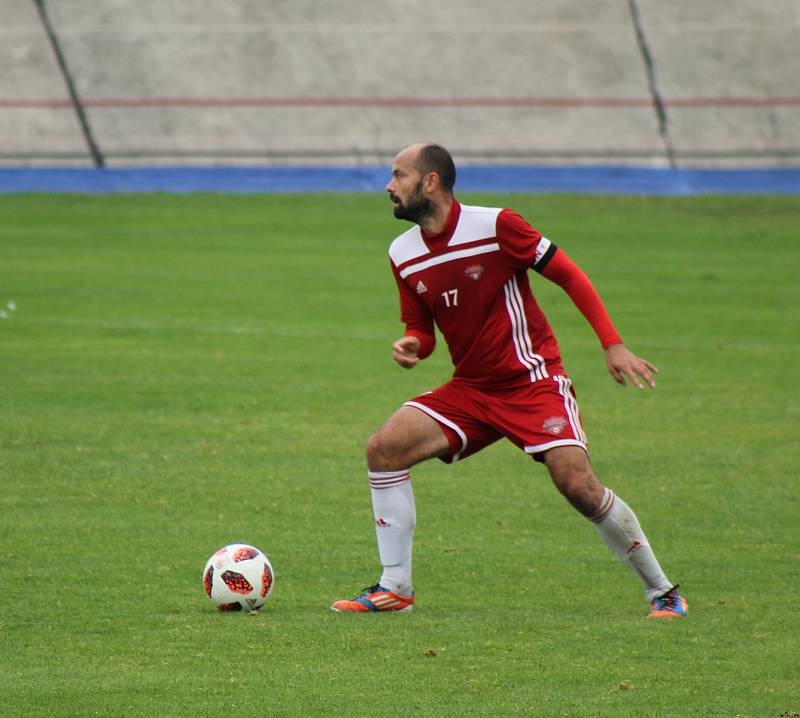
(471, 280)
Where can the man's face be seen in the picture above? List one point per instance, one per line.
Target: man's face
(405, 189)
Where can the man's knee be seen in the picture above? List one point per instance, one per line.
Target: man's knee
(408, 437)
(382, 452)
(574, 477)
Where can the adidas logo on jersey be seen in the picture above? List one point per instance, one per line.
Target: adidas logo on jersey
(421, 288)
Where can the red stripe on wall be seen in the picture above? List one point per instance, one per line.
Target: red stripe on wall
(401, 102)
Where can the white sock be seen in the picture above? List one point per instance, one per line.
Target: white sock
(620, 530)
(395, 519)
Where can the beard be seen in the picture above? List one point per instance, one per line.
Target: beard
(416, 208)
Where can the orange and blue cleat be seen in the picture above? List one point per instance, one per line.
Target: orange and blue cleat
(373, 599)
(670, 605)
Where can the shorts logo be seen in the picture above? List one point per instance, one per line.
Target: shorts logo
(555, 424)
(381, 523)
(474, 271)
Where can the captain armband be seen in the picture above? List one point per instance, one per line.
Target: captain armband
(545, 250)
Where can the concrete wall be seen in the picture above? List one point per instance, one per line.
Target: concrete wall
(349, 82)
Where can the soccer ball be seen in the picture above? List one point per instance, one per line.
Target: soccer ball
(238, 577)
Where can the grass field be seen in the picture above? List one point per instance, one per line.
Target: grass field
(182, 372)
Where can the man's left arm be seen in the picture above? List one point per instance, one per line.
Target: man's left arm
(621, 362)
(527, 248)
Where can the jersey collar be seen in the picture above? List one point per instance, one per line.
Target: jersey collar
(444, 236)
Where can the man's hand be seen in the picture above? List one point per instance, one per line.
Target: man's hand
(622, 362)
(405, 351)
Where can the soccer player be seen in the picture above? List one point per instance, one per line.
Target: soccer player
(465, 269)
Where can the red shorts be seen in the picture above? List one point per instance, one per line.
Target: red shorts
(536, 417)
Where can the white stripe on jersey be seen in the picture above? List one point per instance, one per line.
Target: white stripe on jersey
(475, 223)
(408, 246)
(449, 257)
(519, 331)
(571, 407)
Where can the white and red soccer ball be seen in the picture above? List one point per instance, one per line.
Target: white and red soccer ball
(238, 577)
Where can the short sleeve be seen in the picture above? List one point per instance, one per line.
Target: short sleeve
(524, 246)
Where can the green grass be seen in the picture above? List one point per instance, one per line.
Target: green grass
(183, 372)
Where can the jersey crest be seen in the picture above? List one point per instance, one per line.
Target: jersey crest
(474, 271)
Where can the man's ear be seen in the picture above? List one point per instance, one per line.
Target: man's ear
(431, 182)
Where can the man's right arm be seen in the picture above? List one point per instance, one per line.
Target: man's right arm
(420, 337)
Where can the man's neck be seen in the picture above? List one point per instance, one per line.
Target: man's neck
(435, 223)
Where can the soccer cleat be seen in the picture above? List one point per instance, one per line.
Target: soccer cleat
(670, 605)
(373, 599)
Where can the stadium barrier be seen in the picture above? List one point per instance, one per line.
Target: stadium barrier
(471, 178)
(640, 97)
